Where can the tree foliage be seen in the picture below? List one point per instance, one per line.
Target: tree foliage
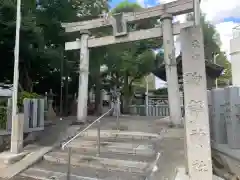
(130, 62)
(42, 41)
(212, 49)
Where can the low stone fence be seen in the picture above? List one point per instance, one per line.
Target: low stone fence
(224, 116)
(161, 110)
(33, 115)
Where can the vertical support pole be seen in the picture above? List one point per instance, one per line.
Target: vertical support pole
(118, 108)
(146, 96)
(69, 163)
(83, 78)
(171, 70)
(98, 137)
(17, 125)
(197, 12)
(118, 113)
(196, 105)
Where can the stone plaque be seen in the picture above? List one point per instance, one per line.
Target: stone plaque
(27, 117)
(232, 114)
(219, 130)
(119, 25)
(196, 106)
(210, 111)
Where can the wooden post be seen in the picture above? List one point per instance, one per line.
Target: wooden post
(83, 78)
(171, 70)
(196, 105)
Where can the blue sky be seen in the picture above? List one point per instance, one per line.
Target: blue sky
(149, 2)
(228, 18)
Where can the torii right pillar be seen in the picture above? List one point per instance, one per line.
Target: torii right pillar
(198, 148)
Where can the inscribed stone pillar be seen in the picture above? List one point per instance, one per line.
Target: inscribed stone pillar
(171, 70)
(83, 78)
(196, 105)
(219, 130)
(232, 116)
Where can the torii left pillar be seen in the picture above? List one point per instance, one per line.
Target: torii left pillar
(171, 70)
(83, 78)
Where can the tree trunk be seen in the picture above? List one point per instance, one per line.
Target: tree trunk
(28, 85)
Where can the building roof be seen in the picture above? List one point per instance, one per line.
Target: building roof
(5, 90)
(212, 70)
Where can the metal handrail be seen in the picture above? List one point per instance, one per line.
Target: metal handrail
(85, 129)
(98, 120)
(154, 167)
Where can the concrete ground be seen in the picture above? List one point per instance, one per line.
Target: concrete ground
(171, 146)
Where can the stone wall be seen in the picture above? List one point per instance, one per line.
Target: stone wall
(224, 110)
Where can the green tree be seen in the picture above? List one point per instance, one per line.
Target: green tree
(30, 38)
(212, 44)
(130, 62)
(42, 41)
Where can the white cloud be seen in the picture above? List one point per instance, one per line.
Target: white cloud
(216, 12)
(225, 31)
(141, 2)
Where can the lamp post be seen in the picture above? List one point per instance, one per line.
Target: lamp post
(16, 144)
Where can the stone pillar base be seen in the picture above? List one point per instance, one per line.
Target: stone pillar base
(17, 134)
(181, 175)
(11, 158)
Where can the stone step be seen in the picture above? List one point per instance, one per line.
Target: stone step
(98, 162)
(139, 149)
(112, 155)
(114, 134)
(42, 174)
(48, 169)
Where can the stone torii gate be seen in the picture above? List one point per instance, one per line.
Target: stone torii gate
(120, 35)
(198, 152)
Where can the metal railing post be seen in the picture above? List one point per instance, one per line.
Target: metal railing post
(118, 113)
(98, 137)
(69, 163)
(64, 145)
(118, 123)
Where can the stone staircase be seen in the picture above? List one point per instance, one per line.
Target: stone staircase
(125, 155)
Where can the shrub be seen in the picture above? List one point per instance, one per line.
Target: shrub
(3, 114)
(3, 106)
(24, 95)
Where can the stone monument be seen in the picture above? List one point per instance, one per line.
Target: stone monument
(199, 164)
